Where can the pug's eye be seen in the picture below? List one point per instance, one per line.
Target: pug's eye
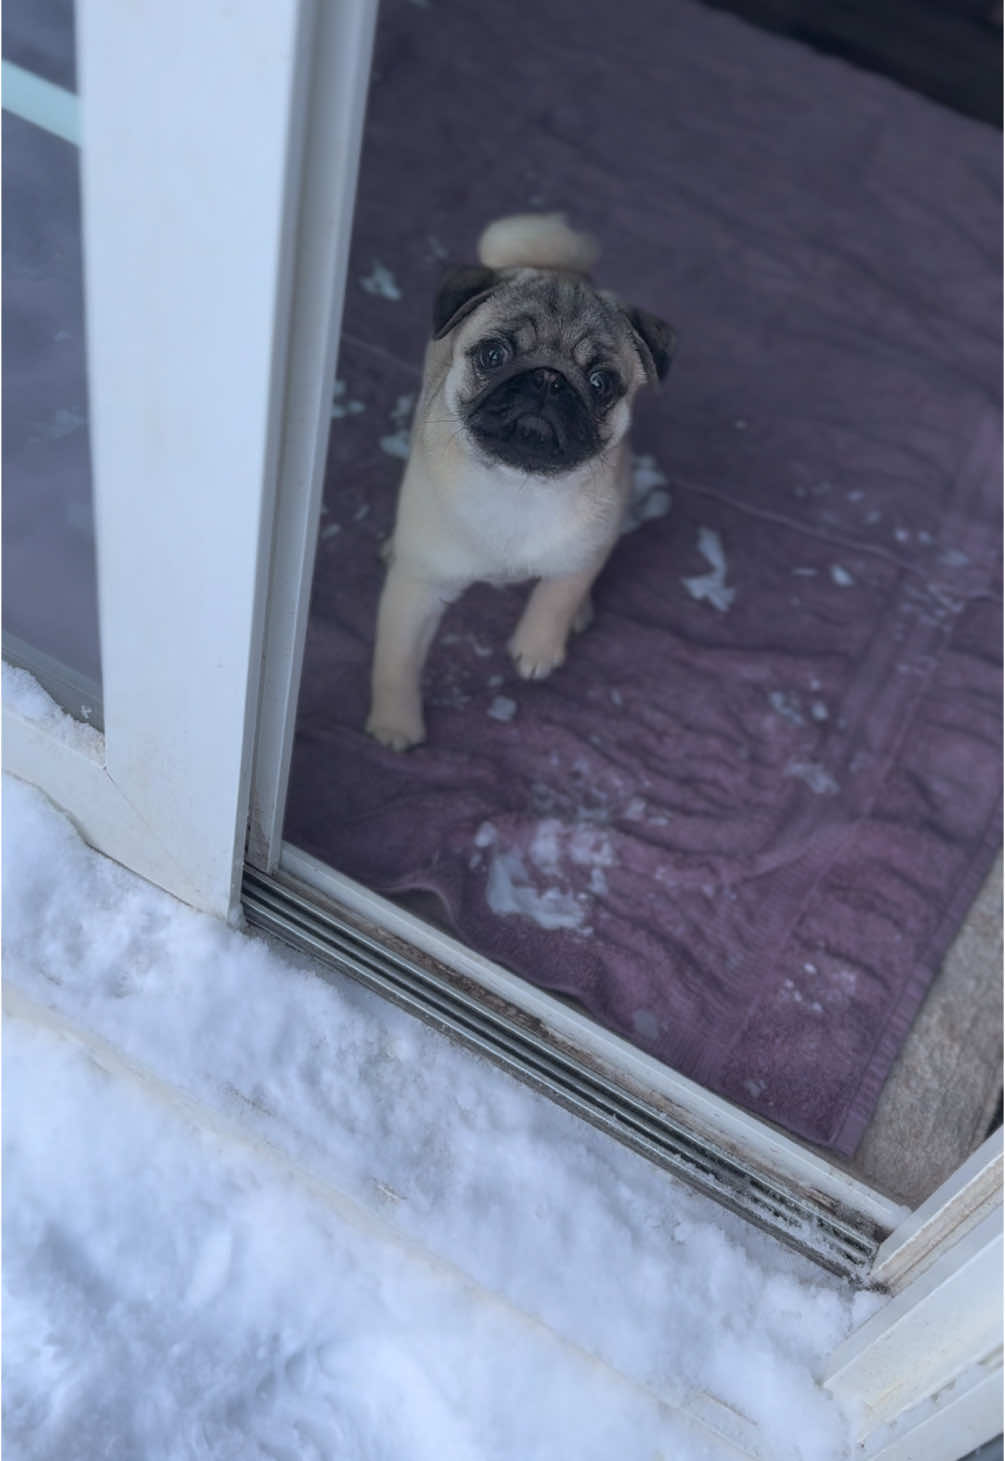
(603, 384)
(492, 353)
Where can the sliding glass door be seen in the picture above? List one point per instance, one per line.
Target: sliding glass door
(191, 456)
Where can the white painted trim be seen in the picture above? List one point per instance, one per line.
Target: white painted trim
(950, 1427)
(707, 1113)
(192, 117)
(40, 102)
(916, 1344)
(342, 48)
(972, 1191)
(76, 779)
(914, 1374)
(924, 1374)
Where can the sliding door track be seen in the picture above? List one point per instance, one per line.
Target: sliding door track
(817, 1224)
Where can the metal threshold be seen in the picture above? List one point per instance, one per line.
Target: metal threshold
(770, 1180)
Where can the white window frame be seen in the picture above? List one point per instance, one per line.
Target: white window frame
(223, 142)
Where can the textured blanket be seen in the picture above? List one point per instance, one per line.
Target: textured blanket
(742, 823)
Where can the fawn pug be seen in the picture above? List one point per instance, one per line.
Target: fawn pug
(520, 466)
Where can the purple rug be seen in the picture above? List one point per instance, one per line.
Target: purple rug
(742, 823)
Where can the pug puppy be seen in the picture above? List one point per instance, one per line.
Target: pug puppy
(519, 465)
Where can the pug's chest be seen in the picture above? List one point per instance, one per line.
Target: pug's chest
(520, 529)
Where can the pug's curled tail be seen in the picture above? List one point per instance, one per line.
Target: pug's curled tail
(536, 241)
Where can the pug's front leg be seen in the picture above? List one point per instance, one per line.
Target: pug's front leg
(555, 608)
(410, 611)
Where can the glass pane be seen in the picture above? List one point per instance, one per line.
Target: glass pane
(741, 822)
(50, 613)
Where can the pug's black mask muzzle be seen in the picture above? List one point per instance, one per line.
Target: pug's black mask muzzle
(535, 421)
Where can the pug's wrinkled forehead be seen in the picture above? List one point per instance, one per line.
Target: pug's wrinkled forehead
(552, 314)
(559, 316)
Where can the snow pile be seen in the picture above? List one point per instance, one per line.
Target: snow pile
(171, 1293)
(817, 777)
(23, 694)
(649, 498)
(568, 859)
(502, 708)
(381, 281)
(342, 406)
(398, 443)
(511, 889)
(711, 585)
(249, 1213)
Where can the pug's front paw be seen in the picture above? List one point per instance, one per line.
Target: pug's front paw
(397, 727)
(536, 653)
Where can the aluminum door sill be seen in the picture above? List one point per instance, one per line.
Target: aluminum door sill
(749, 1166)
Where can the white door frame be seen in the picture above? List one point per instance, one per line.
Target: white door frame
(923, 1376)
(215, 174)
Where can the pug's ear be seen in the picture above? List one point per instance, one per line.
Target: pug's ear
(655, 340)
(461, 291)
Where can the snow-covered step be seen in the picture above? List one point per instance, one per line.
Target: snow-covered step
(177, 1292)
(405, 1145)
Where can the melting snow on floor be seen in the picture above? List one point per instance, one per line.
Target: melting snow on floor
(249, 1213)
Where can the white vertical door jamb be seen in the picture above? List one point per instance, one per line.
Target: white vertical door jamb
(923, 1376)
(972, 1192)
(192, 124)
(341, 56)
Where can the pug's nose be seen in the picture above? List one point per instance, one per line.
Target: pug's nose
(547, 382)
